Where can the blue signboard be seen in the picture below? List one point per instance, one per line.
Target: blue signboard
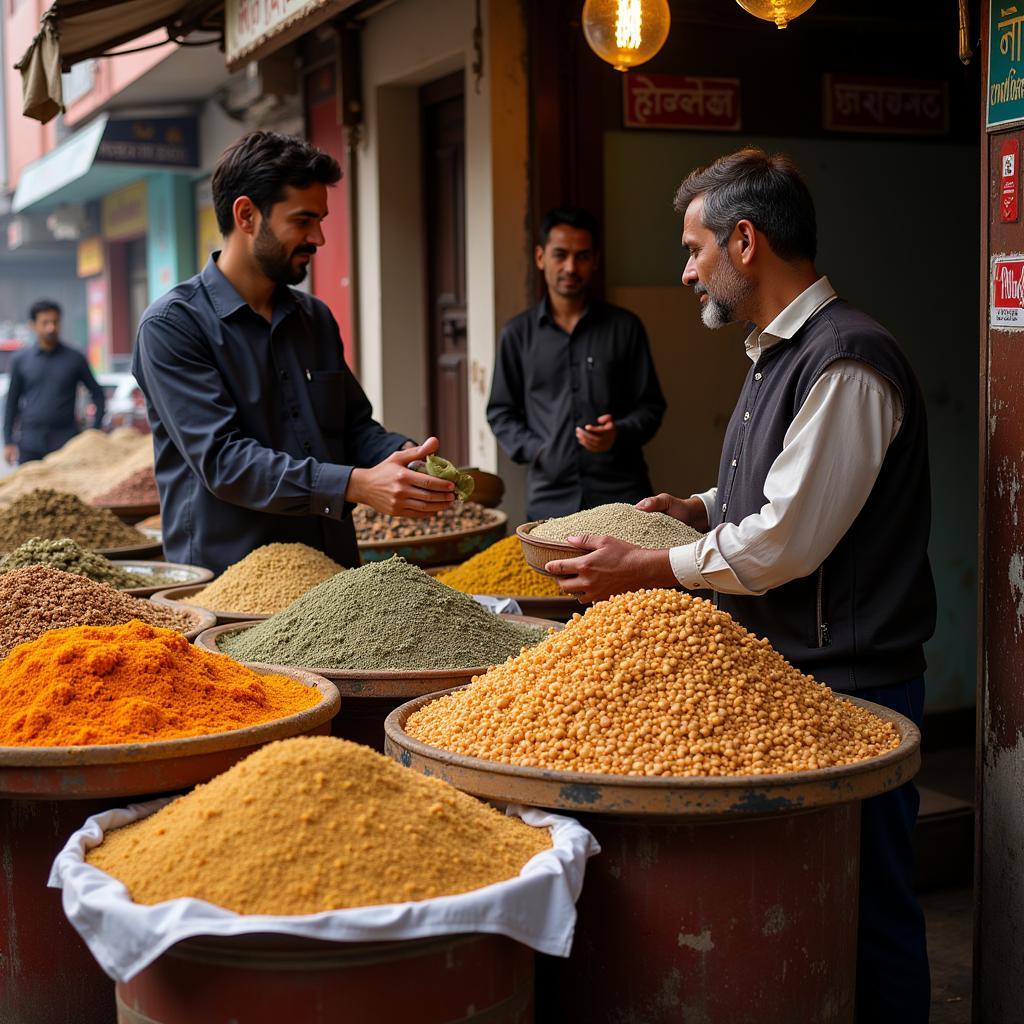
(154, 141)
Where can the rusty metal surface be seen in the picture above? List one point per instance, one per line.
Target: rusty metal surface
(178, 597)
(389, 683)
(130, 769)
(678, 798)
(999, 949)
(263, 979)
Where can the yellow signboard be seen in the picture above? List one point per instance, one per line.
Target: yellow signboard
(90, 257)
(125, 213)
(208, 237)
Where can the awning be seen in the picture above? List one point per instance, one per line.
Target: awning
(76, 30)
(105, 155)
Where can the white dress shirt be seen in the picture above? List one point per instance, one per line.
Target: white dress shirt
(831, 456)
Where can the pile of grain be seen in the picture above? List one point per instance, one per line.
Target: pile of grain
(627, 522)
(376, 526)
(338, 826)
(139, 488)
(654, 682)
(90, 463)
(51, 515)
(500, 569)
(267, 580)
(385, 615)
(67, 556)
(38, 598)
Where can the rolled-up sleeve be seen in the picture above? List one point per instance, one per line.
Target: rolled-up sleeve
(187, 393)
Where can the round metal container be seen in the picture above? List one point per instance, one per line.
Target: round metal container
(371, 696)
(177, 597)
(192, 574)
(439, 548)
(47, 975)
(203, 620)
(266, 979)
(726, 900)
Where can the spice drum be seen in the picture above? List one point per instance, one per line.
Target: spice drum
(37, 598)
(385, 615)
(267, 580)
(314, 824)
(627, 522)
(654, 682)
(94, 685)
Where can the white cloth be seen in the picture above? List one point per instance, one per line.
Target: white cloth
(537, 908)
(816, 487)
(498, 605)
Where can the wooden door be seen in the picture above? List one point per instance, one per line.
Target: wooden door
(444, 201)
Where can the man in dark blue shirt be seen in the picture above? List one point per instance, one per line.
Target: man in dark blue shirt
(40, 413)
(261, 432)
(575, 394)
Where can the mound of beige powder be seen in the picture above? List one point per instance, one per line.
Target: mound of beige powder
(312, 824)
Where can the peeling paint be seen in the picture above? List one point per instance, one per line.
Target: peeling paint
(1016, 576)
(775, 922)
(702, 943)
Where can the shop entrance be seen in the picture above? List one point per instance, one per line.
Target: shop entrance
(443, 122)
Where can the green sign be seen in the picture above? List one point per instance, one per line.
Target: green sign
(1005, 64)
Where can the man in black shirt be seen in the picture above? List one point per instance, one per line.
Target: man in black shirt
(575, 395)
(261, 432)
(43, 388)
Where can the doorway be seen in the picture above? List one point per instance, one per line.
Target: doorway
(443, 120)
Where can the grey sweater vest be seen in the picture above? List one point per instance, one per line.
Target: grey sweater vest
(862, 618)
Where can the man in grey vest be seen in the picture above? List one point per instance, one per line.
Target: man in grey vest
(817, 531)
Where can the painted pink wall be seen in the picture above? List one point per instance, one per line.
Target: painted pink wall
(28, 139)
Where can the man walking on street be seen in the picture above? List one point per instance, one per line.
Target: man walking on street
(817, 531)
(40, 413)
(575, 395)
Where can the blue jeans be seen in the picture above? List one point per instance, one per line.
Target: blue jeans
(893, 980)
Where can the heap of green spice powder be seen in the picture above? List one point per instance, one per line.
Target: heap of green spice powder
(386, 615)
(68, 556)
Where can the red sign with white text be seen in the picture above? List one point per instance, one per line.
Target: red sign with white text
(1009, 160)
(1007, 308)
(678, 101)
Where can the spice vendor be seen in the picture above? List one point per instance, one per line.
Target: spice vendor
(261, 432)
(817, 532)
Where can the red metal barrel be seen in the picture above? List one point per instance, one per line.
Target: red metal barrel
(265, 979)
(47, 975)
(718, 901)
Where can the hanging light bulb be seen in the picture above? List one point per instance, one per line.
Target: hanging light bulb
(626, 33)
(782, 12)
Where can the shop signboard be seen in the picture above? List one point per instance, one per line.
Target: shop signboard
(125, 213)
(681, 102)
(162, 141)
(1006, 310)
(888, 106)
(1009, 170)
(1005, 100)
(90, 257)
(254, 28)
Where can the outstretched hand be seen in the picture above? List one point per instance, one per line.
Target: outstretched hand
(611, 566)
(394, 489)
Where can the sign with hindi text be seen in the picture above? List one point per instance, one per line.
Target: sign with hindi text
(254, 28)
(681, 102)
(1006, 310)
(889, 106)
(1005, 100)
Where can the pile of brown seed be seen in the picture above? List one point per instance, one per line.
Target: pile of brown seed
(51, 515)
(654, 682)
(137, 489)
(38, 598)
(339, 826)
(376, 526)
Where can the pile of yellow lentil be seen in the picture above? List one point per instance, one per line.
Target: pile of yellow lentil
(267, 579)
(312, 824)
(654, 682)
(500, 569)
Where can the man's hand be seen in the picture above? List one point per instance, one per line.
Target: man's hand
(394, 489)
(11, 454)
(599, 437)
(691, 511)
(612, 566)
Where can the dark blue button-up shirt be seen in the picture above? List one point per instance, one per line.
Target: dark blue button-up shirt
(41, 399)
(256, 425)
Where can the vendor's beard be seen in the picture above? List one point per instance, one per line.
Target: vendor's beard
(731, 288)
(274, 259)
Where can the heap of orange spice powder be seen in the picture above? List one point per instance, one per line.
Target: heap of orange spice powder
(98, 685)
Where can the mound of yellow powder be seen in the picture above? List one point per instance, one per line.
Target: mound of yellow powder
(501, 569)
(312, 824)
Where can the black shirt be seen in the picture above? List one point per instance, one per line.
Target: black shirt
(41, 398)
(256, 425)
(547, 383)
